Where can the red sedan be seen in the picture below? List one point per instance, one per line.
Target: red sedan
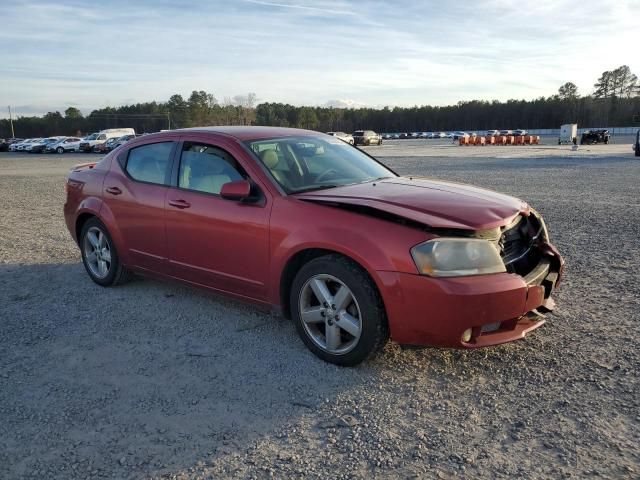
(304, 223)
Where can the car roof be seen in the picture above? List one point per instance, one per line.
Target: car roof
(244, 133)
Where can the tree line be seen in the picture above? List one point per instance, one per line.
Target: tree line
(613, 103)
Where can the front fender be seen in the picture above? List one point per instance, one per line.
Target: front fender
(375, 244)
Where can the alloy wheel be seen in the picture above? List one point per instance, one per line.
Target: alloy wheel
(97, 252)
(330, 314)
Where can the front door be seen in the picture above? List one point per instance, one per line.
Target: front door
(223, 244)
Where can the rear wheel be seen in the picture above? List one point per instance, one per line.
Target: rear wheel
(100, 256)
(60, 150)
(338, 311)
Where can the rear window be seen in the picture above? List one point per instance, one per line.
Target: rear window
(359, 133)
(150, 163)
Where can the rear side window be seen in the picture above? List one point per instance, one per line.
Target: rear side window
(150, 163)
(205, 168)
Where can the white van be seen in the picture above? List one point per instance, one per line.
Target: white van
(98, 138)
(568, 134)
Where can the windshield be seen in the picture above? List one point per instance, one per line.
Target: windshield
(312, 163)
(93, 136)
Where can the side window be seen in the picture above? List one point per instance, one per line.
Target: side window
(149, 163)
(102, 137)
(205, 168)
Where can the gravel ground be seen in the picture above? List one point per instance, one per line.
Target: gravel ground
(158, 380)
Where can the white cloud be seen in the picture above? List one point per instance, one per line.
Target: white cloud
(302, 52)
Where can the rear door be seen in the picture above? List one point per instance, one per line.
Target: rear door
(134, 191)
(212, 241)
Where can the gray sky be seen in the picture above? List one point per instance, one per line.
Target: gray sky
(94, 54)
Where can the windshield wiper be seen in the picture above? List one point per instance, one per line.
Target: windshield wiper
(313, 189)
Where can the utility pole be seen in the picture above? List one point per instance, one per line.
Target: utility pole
(168, 121)
(13, 135)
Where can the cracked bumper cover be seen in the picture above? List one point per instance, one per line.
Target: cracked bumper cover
(499, 308)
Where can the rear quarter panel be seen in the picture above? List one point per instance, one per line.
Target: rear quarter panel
(84, 192)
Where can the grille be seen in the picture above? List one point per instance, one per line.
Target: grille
(519, 245)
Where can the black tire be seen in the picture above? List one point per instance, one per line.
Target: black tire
(637, 149)
(117, 273)
(60, 150)
(374, 327)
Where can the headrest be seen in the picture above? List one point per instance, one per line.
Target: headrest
(270, 158)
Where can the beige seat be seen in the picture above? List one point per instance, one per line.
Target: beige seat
(271, 160)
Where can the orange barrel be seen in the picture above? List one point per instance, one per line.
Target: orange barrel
(520, 140)
(501, 140)
(480, 141)
(491, 140)
(510, 140)
(536, 139)
(463, 140)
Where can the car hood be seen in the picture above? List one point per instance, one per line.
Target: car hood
(434, 203)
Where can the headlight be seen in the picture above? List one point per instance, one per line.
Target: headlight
(455, 257)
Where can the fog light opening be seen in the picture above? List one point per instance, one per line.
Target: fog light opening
(466, 335)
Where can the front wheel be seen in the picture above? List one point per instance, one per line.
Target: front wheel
(338, 311)
(60, 150)
(100, 256)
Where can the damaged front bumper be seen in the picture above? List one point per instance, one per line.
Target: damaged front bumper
(470, 312)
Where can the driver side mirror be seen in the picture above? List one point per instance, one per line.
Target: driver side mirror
(236, 190)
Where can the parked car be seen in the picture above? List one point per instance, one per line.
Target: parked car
(41, 146)
(345, 137)
(4, 145)
(63, 145)
(366, 137)
(590, 137)
(26, 146)
(14, 146)
(289, 219)
(637, 144)
(88, 143)
(458, 135)
(519, 133)
(506, 132)
(124, 139)
(106, 146)
(493, 133)
(11, 141)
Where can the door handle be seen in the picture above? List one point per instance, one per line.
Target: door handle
(114, 190)
(179, 203)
